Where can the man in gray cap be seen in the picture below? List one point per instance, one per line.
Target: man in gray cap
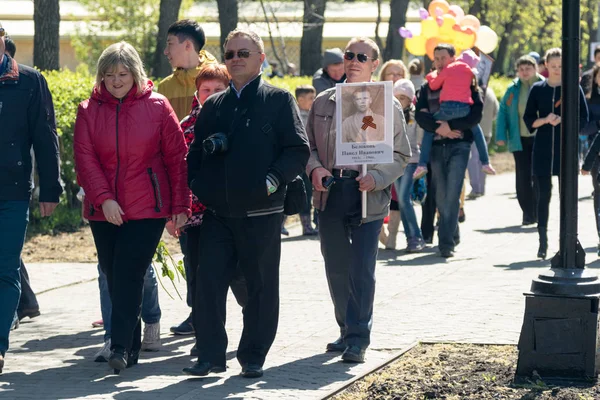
(332, 71)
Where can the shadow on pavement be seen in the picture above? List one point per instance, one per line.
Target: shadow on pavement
(429, 256)
(308, 374)
(79, 376)
(298, 238)
(70, 341)
(509, 229)
(524, 264)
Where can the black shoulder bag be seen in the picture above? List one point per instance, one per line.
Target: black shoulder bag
(295, 197)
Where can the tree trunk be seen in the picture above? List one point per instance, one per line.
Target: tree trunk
(377, 23)
(169, 12)
(504, 43)
(228, 18)
(501, 54)
(312, 36)
(476, 8)
(394, 45)
(271, 39)
(46, 39)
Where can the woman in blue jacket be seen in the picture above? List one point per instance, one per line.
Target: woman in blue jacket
(512, 131)
(542, 113)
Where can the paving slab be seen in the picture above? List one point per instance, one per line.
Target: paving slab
(475, 297)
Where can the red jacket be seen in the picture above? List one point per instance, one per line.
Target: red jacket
(131, 151)
(455, 81)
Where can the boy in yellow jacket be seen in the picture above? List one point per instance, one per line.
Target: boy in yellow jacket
(185, 40)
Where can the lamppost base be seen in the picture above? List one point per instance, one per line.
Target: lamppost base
(566, 282)
(559, 338)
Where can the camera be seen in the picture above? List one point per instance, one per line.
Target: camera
(215, 143)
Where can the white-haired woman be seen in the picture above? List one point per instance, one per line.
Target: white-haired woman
(130, 160)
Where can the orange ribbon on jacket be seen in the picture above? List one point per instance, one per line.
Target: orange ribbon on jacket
(368, 122)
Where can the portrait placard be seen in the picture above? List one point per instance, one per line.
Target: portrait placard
(365, 123)
(484, 69)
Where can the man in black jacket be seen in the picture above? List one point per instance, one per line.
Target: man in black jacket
(26, 119)
(449, 153)
(250, 142)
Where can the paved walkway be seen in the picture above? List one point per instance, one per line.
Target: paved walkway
(474, 297)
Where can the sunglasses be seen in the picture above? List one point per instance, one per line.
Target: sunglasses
(361, 57)
(240, 53)
(2, 32)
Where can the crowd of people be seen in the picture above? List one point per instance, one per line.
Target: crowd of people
(215, 153)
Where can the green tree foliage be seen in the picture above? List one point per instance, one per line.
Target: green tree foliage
(68, 89)
(530, 25)
(116, 20)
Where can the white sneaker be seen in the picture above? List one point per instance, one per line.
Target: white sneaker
(104, 353)
(151, 341)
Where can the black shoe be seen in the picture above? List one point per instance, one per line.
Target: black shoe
(428, 240)
(337, 346)
(353, 354)
(203, 369)
(117, 360)
(284, 231)
(461, 215)
(542, 251)
(529, 221)
(133, 358)
(543, 237)
(194, 351)
(184, 328)
(252, 371)
(446, 253)
(28, 313)
(1, 363)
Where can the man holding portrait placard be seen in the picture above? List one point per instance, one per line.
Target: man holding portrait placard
(349, 243)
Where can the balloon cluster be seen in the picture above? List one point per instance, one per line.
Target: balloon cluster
(445, 23)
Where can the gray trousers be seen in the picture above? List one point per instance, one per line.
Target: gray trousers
(476, 175)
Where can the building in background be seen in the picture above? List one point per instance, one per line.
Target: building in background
(343, 21)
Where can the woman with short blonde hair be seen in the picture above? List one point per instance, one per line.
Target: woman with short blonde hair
(393, 70)
(124, 54)
(130, 161)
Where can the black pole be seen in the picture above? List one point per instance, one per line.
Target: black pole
(569, 163)
(559, 337)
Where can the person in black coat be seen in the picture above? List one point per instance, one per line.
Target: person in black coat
(542, 113)
(26, 121)
(591, 162)
(249, 143)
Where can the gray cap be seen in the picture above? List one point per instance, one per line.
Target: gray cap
(535, 55)
(332, 56)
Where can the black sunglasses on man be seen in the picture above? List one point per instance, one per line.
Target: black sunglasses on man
(361, 57)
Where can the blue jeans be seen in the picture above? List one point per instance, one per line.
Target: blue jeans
(404, 186)
(448, 164)
(450, 110)
(151, 312)
(14, 216)
(349, 249)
